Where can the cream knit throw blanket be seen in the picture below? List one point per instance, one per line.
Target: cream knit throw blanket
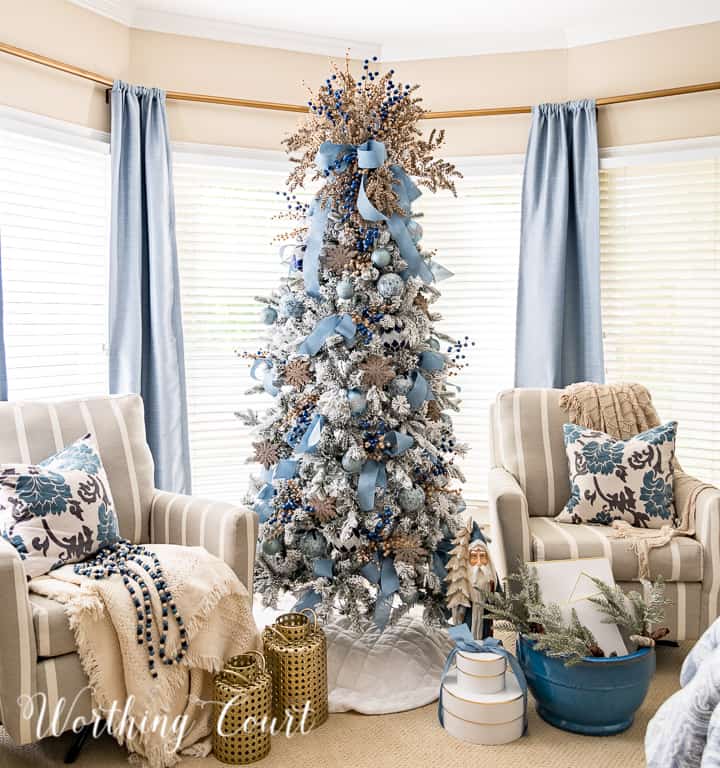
(217, 613)
(623, 411)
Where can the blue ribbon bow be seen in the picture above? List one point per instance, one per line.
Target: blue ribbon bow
(464, 641)
(373, 475)
(341, 324)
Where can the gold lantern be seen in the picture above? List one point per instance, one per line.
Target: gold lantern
(242, 710)
(296, 654)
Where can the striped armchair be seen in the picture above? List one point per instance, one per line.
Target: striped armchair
(37, 647)
(529, 485)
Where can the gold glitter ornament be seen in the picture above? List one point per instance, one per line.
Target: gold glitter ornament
(376, 371)
(266, 453)
(297, 373)
(406, 547)
(323, 508)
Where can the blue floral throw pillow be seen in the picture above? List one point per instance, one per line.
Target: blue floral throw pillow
(58, 511)
(629, 480)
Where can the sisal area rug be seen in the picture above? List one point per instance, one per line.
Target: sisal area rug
(405, 740)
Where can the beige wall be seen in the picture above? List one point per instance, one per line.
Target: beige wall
(64, 31)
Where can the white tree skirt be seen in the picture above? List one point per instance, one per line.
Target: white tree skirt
(378, 673)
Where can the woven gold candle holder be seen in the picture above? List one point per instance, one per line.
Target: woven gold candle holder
(296, 654)
(244, 690)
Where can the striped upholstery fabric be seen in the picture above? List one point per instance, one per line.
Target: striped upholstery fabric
(682, 617)
(30, 432)
(681, 561)
(529, 486)
(52, 629)
(65, 677)
(18, 652)
(528, 442)
(225, 530)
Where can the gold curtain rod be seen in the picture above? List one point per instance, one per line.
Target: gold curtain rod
(94, 77)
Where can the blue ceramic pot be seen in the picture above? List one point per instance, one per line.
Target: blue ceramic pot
(597, 697)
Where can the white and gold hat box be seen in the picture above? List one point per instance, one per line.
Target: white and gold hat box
(482, 701)
(481, 672)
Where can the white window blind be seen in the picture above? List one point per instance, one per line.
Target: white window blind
(54, 219)
(477, 237)
(660, 261)
(225, 225)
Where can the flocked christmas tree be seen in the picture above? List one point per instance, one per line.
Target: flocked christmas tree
(359, 495)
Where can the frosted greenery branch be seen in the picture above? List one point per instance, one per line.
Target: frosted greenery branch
(521, 608)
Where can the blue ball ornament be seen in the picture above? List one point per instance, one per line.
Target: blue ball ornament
(291, 306)
(345, 289)
(434, 343)
(381, 257)
(268, 316)
(273, 546)
(357, 400)
(390, 285)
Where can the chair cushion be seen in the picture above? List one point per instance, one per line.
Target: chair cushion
(52, 628)
(30, 431)
(681, 560)
(58, 511)
(629, 480)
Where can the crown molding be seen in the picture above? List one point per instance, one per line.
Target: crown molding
(128, 12)
(122, 11)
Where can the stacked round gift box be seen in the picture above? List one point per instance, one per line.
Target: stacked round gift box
(481, 700)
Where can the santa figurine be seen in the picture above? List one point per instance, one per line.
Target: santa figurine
(482, 581)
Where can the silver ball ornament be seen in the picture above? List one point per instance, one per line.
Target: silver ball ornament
(345, 289)
(390, 285)
(381, 257)
(273, 546)
(411, 499)
(268, 316)
(357, 400)
(400, 385)
(351, 464)
(313, 544)
(291, 306)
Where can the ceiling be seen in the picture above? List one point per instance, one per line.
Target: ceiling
(409, 29)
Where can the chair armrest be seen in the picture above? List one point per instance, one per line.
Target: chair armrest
(225, 530)
(509, 520)
(18, 649)
(707, 532)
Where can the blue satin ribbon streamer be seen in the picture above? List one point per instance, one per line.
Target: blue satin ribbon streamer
(318, 216)
(397, 443)
(267, 375)
(420, 390)
(464, 642)
(284, 470)
(387, 579)
(372, 475)
(311, 438)
(341, 324)
(323, 568)
(309, 599)
(432, 361)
